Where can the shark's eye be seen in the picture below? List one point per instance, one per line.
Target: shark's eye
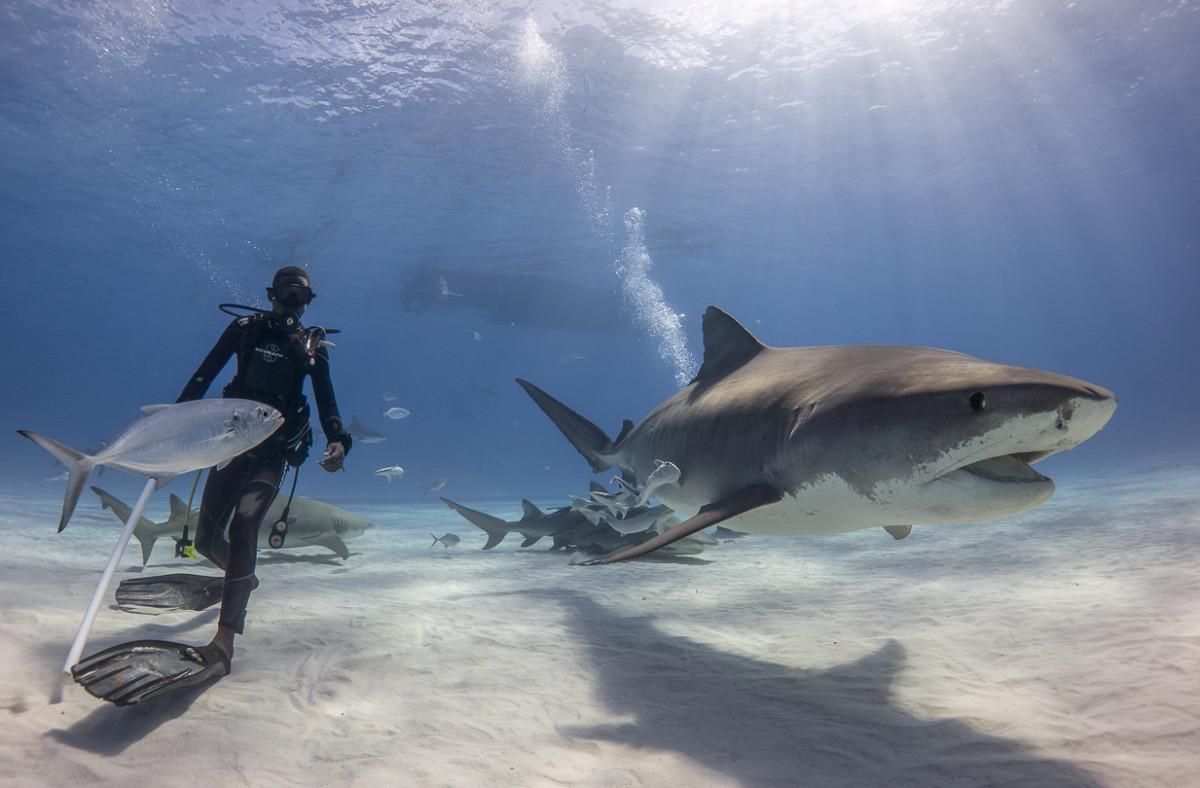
(236, 417)
(978, 401)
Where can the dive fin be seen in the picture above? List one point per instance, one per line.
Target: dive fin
(495, 528)
(171, 592)
(588, 439)
(596, 487)
(739, 502)
(150, 410)
(79, 468)
(898, 531)
(145, 669)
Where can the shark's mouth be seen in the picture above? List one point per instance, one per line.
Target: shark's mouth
(1008, 468)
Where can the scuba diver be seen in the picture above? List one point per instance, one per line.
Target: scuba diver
(274, 355)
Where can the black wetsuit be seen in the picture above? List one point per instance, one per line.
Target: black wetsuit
(273, 361)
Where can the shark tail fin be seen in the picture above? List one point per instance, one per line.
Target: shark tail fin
(588, 439)
(495, 528)
(79, 468)
(147, 531)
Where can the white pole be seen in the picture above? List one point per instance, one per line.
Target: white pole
(94, 606)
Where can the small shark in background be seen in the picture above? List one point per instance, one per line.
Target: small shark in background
(311, 523)
(364, 434)
(437, 485)
(569, 529)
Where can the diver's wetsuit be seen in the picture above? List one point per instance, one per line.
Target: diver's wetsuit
(273, 360)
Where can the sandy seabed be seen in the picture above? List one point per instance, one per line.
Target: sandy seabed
(1058, 648)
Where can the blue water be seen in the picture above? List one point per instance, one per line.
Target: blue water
(1015, 180)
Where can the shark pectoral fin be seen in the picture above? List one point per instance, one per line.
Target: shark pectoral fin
(334, 542)
(530, 541)
(898, 531)
(152, 409)
(739, 502)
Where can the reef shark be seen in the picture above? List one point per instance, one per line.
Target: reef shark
(311, 523)
(820, 440)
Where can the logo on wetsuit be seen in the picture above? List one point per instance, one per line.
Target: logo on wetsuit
(270, 352)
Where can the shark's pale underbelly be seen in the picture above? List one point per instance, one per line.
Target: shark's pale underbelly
(830, 506)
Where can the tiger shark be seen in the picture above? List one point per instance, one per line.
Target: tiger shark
(830, 439)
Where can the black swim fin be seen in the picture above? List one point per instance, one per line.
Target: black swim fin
(170, 592)
(146, 669)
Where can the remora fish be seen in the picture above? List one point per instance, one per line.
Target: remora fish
(167, 441)
(311, 523)
(815, 440)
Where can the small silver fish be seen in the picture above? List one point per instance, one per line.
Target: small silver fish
(447, 540)
(396, 413)
(390, 472)
(437, 485)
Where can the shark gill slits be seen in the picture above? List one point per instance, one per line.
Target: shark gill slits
(978, 401)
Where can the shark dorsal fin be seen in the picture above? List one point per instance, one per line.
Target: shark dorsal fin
(626, 427)
(727, 345)
(178, 507)
(529, 509)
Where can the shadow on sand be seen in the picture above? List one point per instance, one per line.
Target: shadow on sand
(765, 724)
(109, 730)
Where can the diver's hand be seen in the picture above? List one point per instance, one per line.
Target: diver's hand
(335, 455)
